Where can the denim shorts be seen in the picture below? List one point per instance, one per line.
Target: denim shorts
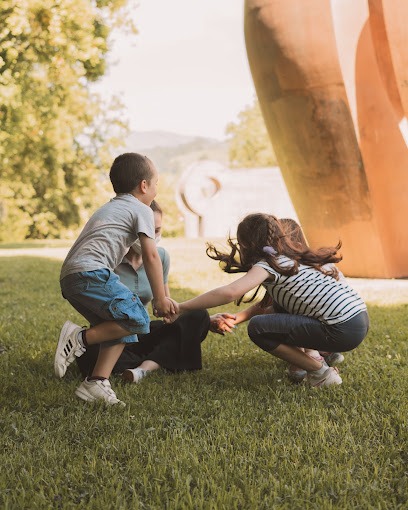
(100, 296)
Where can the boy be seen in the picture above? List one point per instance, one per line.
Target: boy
(95, 291)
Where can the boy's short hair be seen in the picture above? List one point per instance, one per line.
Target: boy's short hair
(128, 170)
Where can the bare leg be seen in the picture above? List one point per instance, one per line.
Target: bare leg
(109, 330)
(135, 375)
(296, 356)
(149, 365)
(108, 356)
(312, 352)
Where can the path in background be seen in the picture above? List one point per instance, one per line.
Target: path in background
(192, 269)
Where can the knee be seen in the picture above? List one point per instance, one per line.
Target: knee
(253, 329)
(265, 340)
(199, 320)
(202, 317)
(199, 315)
(254, 333)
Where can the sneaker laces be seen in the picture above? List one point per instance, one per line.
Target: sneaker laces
(108, 389)
(79, 350)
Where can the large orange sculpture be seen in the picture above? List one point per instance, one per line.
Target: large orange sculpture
(332, 81)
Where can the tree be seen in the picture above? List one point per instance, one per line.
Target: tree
(249, 141)
(54, 140)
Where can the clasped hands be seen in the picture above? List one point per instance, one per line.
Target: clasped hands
(220, 323)
(166, 308)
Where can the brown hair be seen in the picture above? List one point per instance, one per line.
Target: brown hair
(259, 230)
(294, 231)
(156, 208)
(128, 170)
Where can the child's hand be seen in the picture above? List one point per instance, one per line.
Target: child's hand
(176, 307)
(222, 323)
(165, 308)
(169, 319)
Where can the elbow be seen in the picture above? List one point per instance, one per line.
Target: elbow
(149, 257)
(230, 295)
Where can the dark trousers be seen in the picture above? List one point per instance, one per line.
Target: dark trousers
(175, 346)
(270, 330)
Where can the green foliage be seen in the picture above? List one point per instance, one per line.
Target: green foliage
(236, 435)
(249, 141)
(54, 133)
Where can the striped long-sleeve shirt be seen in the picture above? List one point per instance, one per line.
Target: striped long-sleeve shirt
(312, 293)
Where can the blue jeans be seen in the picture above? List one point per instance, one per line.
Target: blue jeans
(100, 296)
(270, 330)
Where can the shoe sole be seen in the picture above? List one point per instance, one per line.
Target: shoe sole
(59, 370)
(333, 379)
(329, 382)
(84, 395)
(127, 376)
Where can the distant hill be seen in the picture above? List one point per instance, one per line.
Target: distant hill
(172, 152)
(149, 139)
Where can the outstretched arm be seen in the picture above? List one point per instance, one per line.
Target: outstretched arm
(228, 293)
(248, 313)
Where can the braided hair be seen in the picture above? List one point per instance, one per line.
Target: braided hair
(263, 237)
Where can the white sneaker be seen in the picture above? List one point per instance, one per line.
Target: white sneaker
(134, 374)
(297, 374)
(69, 347)
(97, 390)
(328, 378)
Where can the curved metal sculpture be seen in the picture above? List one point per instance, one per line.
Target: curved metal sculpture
(210, 196)
(332, 82)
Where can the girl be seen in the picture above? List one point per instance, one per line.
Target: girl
(294, 232)
(322, 312)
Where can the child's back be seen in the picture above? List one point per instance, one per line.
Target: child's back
(108, 234)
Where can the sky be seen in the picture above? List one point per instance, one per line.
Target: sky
(186, 71)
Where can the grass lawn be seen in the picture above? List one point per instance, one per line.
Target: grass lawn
(236, 435)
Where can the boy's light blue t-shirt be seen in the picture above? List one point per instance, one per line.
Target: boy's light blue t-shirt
(137, 281)
(108, 234)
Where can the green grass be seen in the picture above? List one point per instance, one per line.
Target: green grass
(37, 243)
(236, 435)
